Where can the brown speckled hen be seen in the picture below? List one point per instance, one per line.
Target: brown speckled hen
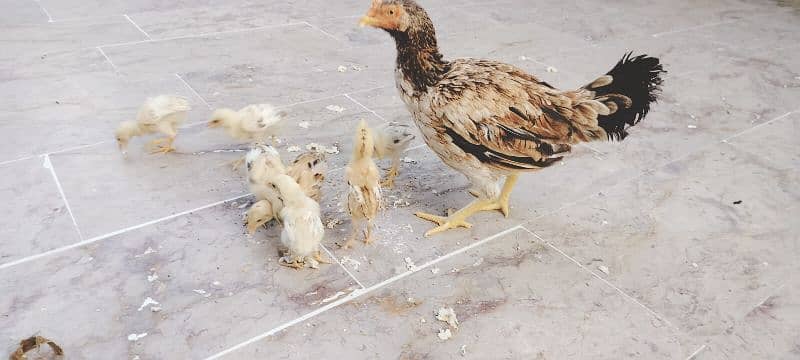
(490, 120)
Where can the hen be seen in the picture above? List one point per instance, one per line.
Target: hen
(160, 114)
(490, 120)
(364, 190)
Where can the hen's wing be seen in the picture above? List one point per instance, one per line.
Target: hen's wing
(509, 119)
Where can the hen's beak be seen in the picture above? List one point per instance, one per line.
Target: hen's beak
(367, 20)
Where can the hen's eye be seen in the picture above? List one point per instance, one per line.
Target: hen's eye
(391, 12)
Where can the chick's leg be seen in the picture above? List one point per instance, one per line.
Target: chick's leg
(368, 232)
(356, 225)
(318, 256)
(163, 149)
(391, 174)
(236, 163)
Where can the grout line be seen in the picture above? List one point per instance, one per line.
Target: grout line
(420, 146)
(745, 131)
(358, 293)
(17, 160)
(322, 31)
(365, 108)
(623, 293)
(49, 165)
(49, 18)
(308, 101)
(193, 91)
(111, 234)
(330, 254)
(696, 352)
(203, 34)
(690, 28)
(108, 59)
(137, 27)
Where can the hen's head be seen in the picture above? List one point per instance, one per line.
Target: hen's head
(397, 16)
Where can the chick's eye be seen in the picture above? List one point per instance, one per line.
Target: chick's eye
(396, 141)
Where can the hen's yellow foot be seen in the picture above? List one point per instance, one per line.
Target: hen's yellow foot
(445, 223)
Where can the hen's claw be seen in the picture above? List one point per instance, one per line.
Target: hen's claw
(445, 223)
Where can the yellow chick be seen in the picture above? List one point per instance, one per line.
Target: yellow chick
(302, 227)
(160, 114)
(392, 140)
(308, 170)
(364, 194)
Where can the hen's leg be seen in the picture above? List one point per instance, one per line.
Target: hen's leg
(389, 182)
(459, 218)
(505, 194)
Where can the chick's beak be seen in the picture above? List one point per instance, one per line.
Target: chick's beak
(251, 230)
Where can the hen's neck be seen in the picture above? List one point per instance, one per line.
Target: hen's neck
(419, 59)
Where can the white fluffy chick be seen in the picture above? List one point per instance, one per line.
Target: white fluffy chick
(302, 227)
(308, 169)
(364, 190)
(391, 141)
(253, 123)
(160, 114)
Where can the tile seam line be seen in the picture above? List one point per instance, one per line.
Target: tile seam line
(193, 91)
(49, 17)
(608, 283)
(49, 165)
(364, 107)
(102, 52)
(697, 352)
(330, 254)
(192, 36)
(137, 26)
(114, 233)
(358, 293)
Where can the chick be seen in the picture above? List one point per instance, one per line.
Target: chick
(392, 140)
(302, 227)
(253, 123)
(364, 194)
(308, 170)
(263, 163)
(163, 114)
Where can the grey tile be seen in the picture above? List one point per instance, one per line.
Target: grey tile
(39, 39)
(775, 141)
(54, 65)
(769, 331)
(35, 218)
(214, 286)
(514, 297)
(269, 64)
(21, 12)
(697, 241)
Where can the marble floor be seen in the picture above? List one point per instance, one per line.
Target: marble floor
(679, 243)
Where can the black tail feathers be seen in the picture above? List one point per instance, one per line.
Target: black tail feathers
(629, 88)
